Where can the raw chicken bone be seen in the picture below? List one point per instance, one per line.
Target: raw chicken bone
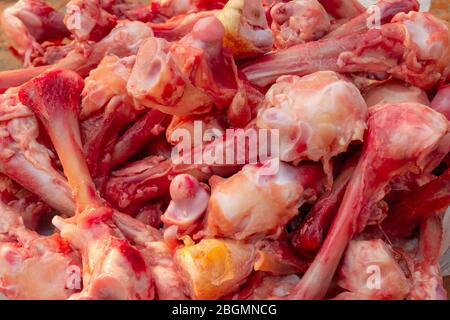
(188, 204)
(27, 24)
(275, 199)
(427, 279)
(299, 21)
(89, 19)
(414, 47)
(441, 101)
(112, 267)
(343, 8)
(414, 208)
(401, 138)
(247, 33)
(188, 76)
(369, 271)
(123, 41)
(25, 159)
(317, 116)
(384, 10)
(34, 266)
(310, 234)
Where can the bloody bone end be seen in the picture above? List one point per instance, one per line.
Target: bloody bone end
(53, 94)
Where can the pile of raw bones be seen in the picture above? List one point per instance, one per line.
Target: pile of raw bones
(98, 202)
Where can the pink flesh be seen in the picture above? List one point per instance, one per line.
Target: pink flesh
(309, 236)
(15, 78)
(54, 97)
(29, 26)
(385, 51)
(189, 202)
(379, 163)
(301, 60)
(137, 136)
(388, 9)
(343, 8)
(441, 101)
(141, 181)
(179, 26)
(101, 137)
(427, 281)
(415, 207)
(88, 20)
(208, 30)
(78, 62)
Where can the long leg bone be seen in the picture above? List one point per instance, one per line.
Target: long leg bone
(396, 49)
(427, 278)
(401, 138)
(384, 10)
(27, 161)
(112, 267)
(123, 41)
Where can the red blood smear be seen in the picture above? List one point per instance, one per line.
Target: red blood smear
(98, 216)
(417, 206)
(309, 236)
(131, 254)
(300, 147)
(63, 245)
